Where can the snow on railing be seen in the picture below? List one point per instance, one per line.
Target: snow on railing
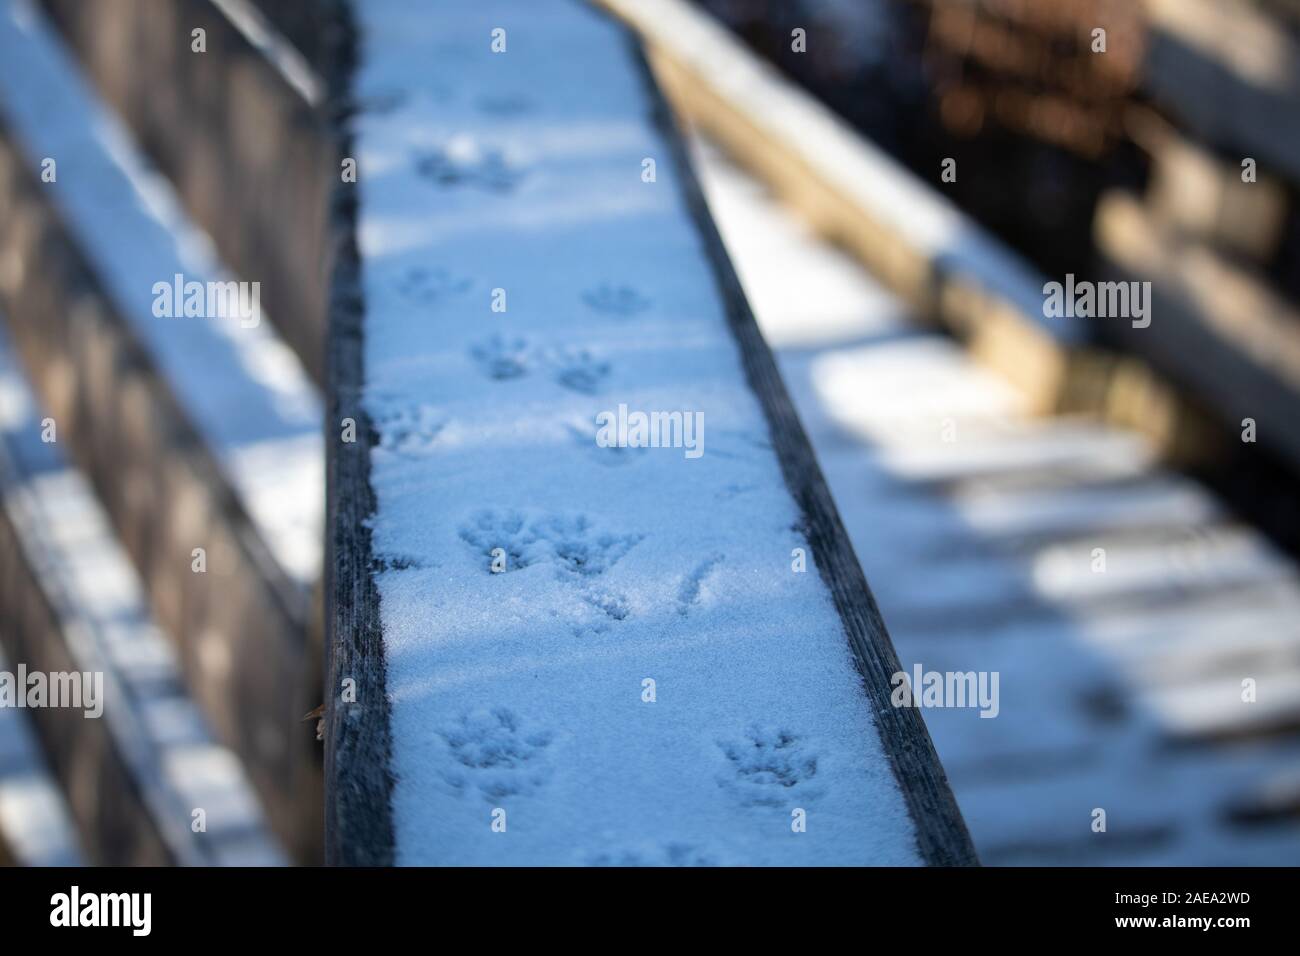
(588, 598)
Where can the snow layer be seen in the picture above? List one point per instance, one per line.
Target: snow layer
(523, 690)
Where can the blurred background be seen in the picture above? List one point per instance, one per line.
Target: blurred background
(1106, 515)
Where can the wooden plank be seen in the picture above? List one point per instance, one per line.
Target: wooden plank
(133, 782)
(1229, 73)
(919, 245)
(1215, 328)
(362, 824)
(255, 164)
(1201, 194)
(358, 781)
(1194, 598)
(241, 624)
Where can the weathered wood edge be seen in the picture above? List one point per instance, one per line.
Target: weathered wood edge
(129, 435)
(358, 778)
(942, 837)
(265, 212)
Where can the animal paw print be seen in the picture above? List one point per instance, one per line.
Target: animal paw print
(581, 549)
(609, 455)
(569, 542)
(507, 531)
(464, 162)
(670, 854)
(502, 359)
(495, 754)
(579, 371)
(770, 767)
(427, 286)
(411, 431)
(615, 299)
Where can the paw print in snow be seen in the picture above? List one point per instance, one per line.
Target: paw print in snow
(465, 162)
(769, 767)
(610, 456)
(579, 371)
(569, 542)
(411, 431)
(615, 299)
(502, 359)
(581, 549)
(427, 286)
(495, 754)
(505, 530)
(670, 854)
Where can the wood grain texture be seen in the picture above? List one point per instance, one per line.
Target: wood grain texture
(358, 781)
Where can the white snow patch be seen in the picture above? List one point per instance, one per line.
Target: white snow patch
(523, 690)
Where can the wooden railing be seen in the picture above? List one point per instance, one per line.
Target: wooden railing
(249, 135)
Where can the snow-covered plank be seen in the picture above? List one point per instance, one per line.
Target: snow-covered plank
(255, 164)
(522, 698)
(1125, 695)
(196, 432)
(1229, 71)
(144, 780)
(1216, 326)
